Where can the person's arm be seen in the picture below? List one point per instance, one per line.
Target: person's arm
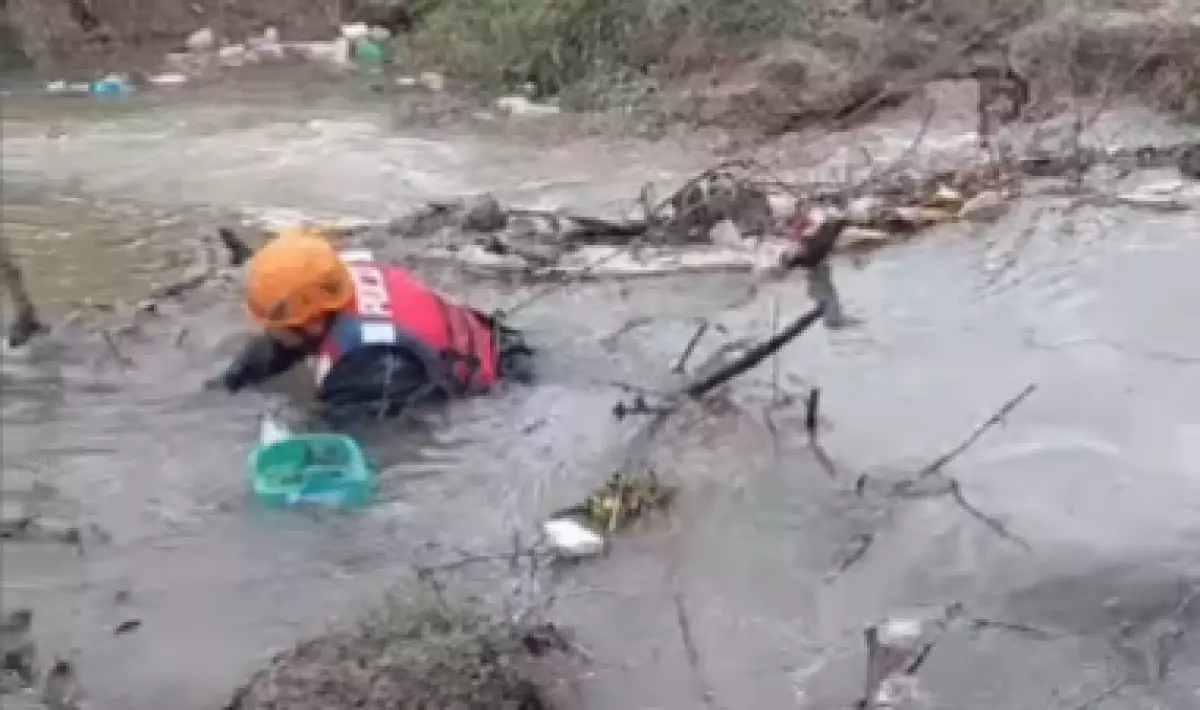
(261, 359)
(375, 381)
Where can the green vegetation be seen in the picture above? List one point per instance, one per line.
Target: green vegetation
(564, 45)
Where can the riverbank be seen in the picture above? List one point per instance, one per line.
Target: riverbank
(768, 68)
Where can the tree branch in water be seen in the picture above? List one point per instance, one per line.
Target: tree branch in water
(239, 251)
(755, 355)
(25, 323)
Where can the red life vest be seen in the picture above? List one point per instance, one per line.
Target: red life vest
(392, 308)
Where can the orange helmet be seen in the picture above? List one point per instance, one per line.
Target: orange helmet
(296, 280)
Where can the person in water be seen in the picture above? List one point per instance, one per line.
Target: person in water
(378, 338)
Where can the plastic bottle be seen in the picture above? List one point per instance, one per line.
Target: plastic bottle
(111, 85)
(271, 430)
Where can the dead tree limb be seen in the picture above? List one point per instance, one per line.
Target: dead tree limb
(691, 650)
(25, 320)
(681, 363)
(239, 251)
(755, 355)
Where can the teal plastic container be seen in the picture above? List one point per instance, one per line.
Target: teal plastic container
(312, 469)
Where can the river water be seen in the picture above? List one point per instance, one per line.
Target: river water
(1098, 471)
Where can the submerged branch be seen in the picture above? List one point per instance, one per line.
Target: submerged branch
(239, 251)
(936, 466)
(25, 323)
(755, 355)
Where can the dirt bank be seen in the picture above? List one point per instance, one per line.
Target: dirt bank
(768, 67)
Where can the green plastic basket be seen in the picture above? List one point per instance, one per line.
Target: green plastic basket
(312, 469)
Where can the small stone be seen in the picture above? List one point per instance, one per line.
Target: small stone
(725, 233)
(168, 79)
(521, 106)
(484, 214)
(355, 30)
(266, 45)
(864, 209)
(1189, 162)
(201, 40)
(62, 688)
(918, 216)
(1161, 203)
(433, 80)
(233, 55)
(945, 193)
(984, 208)
(341, 51)
(853, 237)
(15, 518)
(18, 651)
(782, 205)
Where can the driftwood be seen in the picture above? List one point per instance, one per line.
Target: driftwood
(890, 202)
(239, 251)
(755, 355)
(25, 323)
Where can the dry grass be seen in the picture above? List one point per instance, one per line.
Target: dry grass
(410, 655)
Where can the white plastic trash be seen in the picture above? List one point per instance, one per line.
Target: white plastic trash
(168, 79)
(355, 30)
(570, 538)
(271, 430)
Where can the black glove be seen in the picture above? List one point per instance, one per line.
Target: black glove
(224, 381)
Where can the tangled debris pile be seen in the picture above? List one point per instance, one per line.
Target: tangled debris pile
(414, 653)
(736, 215)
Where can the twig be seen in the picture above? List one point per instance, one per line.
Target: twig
(939, 463)
(681, 363)
(120, 357)
(610, 341)
(992, 524)
(823, 458)
(1011, 626)
(755, 355)
(776, 394)
(691, 651)
(812, 415)
(239, 251)
(876, 669)
(858, 548)
(951, 487)
(1113, 688)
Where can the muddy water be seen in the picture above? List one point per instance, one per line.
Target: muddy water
(1098, 472)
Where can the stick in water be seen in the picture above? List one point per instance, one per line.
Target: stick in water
(239, 251)
(756, 354)
(25, 324)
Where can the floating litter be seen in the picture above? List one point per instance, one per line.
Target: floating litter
(570, 538)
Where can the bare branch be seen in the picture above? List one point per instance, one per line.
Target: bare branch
(936, 466)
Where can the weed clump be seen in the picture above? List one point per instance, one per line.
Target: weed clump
(410, 654)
